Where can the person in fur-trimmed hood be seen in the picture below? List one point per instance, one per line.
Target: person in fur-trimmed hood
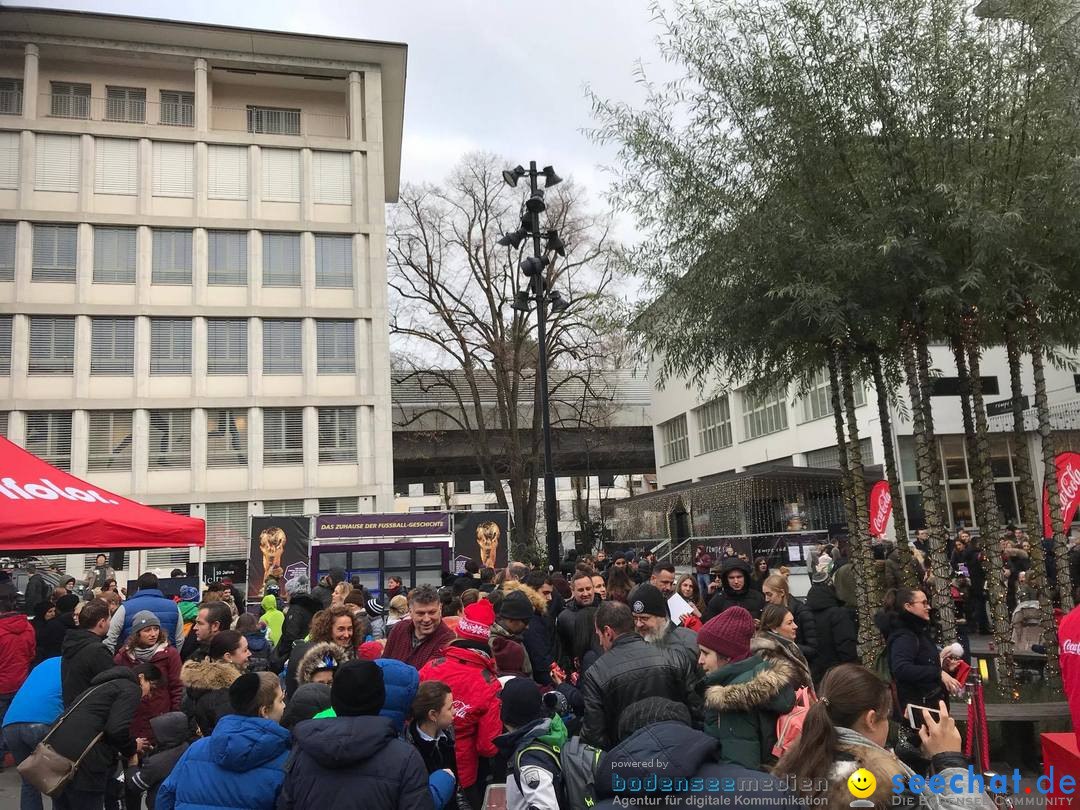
(539, 635)
(744, 692)
(320, 662)
(206, 690)
(846, 730)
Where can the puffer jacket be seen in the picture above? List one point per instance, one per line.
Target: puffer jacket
(17, 648)
(400, 681)
(206, 691)
(172, 733)
(742, 702)
(856, 751)
(836, 636)
(913, 658)
(471, 675)
(541, 643)
(83, 658)
(164, 697)
(302, 607)
(354, 763)
(806, 636)
(749, 597)
(630, 671)
(152, 599)
(314, 656)
(240, 765)
(507, 647)
(273, 617)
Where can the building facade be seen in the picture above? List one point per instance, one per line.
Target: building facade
(192, 263)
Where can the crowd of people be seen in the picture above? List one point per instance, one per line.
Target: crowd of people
(572, 687)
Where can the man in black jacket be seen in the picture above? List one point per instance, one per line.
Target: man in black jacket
(212, 618)
(583, 597)
(297, 622)
(735, 590)
(50, 640)
(836, 635)
(630, 670)
(106, 709)
(84, 655)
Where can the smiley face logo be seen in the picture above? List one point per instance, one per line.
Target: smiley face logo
(861, 783)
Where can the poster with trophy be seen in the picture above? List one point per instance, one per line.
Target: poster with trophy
(279, 548)
(483, 537)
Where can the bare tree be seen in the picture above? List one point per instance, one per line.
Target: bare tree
(452, 288)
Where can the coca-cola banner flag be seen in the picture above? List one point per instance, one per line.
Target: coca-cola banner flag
(880, 508)
(1068, 478)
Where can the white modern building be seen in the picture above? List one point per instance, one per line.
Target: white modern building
(706, 433)
(192, 263)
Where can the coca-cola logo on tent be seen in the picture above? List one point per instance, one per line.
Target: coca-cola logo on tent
(1068, 477)
(880, 508)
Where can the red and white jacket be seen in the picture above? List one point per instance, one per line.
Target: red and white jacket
(1069, 640)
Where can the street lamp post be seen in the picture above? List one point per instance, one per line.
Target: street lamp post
(535, 270)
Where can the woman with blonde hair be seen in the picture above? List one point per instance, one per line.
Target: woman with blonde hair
(341, 590)
(776, 591)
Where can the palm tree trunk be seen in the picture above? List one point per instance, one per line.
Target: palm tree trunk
(892, 472)
(1030, 512)
(1049, 451)
(841, 443)
(868, 592)
(991, 528)
(917, 372)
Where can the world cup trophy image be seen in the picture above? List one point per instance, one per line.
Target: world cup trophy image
(487, 537)
(272, 546)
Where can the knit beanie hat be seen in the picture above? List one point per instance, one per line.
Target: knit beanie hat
(521, 702)
(189, 593)
(370, 650)
(373, 607)
(648, 600)
(243, 692)
(728, 634)
(307, 701)
(358, 689)
(477, 621)
(144, 618)
(67, 603)
(296, 585)
(516, 605)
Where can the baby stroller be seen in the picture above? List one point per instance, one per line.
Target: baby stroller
(1027, 641)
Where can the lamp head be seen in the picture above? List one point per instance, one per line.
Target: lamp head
(513, 239)
(555, 243)
(535, 203)
(511, 176)
(521, 301)
(534, 265)
(550, 178)
(558, 303)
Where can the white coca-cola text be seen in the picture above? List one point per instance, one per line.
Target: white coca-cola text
(1068, 486)
(1070, 648)
(45, 490)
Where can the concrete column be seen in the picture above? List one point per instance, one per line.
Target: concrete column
(200, 168)
(358, 187)
(20, 360)
(16, 428)
(255, 357)
(310, 421)
(307, 199)
(365, 444)
(86, 173)
(307, 269)
(144, 263)
(140, 450)
(798, 459)
(361, 271)
(202, 97)
(80, 442)
(198, 452)
(254, 182)
(354, 102)
(30, 81)
(199, 355)
(363, 356)
(200, 267)
(82, 356)
(146, 176)
(84, 261)
(255, 263)
(142, 357)
(25, 193)
(308, 352)
(255, 448)
(24, 260)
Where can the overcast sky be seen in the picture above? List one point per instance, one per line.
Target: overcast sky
(501, 75)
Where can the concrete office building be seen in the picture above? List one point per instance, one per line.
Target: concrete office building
(192, 263)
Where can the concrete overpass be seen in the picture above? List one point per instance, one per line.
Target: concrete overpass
(601, 425)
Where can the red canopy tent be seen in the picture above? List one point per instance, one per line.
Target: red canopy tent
(43, 508)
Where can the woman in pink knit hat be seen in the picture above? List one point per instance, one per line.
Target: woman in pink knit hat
(744, 694)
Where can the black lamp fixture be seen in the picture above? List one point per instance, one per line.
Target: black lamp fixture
(522, 302)
(558, 303)
(511, 176)
(550, 178)
(535, 203)
(534, 265)
(555, 243)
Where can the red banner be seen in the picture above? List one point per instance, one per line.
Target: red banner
(1068, 478)
(880, 508)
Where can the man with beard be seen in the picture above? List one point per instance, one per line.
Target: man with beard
(735, 590)
(583, 597)
(651, 621)
(663, 579)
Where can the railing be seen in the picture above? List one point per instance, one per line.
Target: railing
(273, 121)
(10, 102)
(117, 110)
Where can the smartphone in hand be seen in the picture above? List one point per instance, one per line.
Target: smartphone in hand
(913, 715)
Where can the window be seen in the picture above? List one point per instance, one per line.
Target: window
(290, 506)
(114, 255)
(7, 251)
(336, 347)
(817, 402)
(281, 175)
(228, 258)
(69, 100)
(763, 415)
(226, 172)
(226, 346)
(170, 346)
(331, 177)
(282, 347)
(714, 425)
(110, 440)
(56, 163)
(338, 506)
(116, 166)
(226, 437)
(950, 386)
(227, 530)
(177, 108)
(52, 345)
(281, 260)
(333, 261)
(273, 120)
(172, 257)
(283, 436)
(830, 456)
(5, 345)
(170, 440)
(112, 346)
(174, 169)
(54, 252)
(675, 439)
(9, 159)
(11, 96)
(48, 436)
(127, 104)
(337, 435)
(4, 423)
